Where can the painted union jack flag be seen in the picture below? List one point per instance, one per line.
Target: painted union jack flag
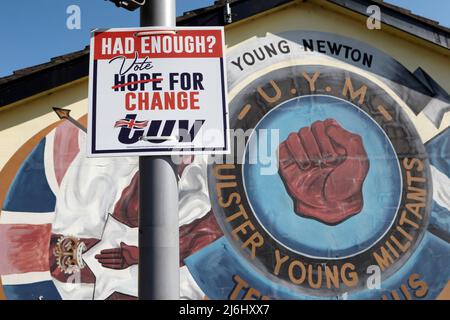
(130, 124)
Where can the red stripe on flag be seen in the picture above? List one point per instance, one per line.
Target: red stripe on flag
(24, 248)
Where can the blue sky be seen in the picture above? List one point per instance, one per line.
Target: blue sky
(33, 31)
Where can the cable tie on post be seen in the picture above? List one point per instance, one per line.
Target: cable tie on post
(154, 33)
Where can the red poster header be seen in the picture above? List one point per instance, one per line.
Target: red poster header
(158, 44)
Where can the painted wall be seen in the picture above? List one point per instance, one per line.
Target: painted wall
(64, 228)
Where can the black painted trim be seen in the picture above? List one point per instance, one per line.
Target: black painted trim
(43, 80)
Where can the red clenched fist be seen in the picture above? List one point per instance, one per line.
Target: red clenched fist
(323, 168)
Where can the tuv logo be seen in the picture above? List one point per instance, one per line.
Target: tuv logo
(159, 131)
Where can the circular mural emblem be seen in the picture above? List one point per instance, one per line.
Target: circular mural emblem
(315, 196)
(351, 187)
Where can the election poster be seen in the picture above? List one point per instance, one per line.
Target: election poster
(157, 92)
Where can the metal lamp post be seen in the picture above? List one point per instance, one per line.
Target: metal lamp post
(159, 277)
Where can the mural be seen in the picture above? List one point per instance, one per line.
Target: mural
(355, 192)
(69, 223)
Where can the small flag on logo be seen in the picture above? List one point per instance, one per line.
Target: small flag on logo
(130, 124)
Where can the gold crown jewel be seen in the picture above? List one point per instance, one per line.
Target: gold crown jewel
(68, 252)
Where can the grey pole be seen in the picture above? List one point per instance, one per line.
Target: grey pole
(159, 277)
(158, 13)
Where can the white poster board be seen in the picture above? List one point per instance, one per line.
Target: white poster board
(157, 91)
